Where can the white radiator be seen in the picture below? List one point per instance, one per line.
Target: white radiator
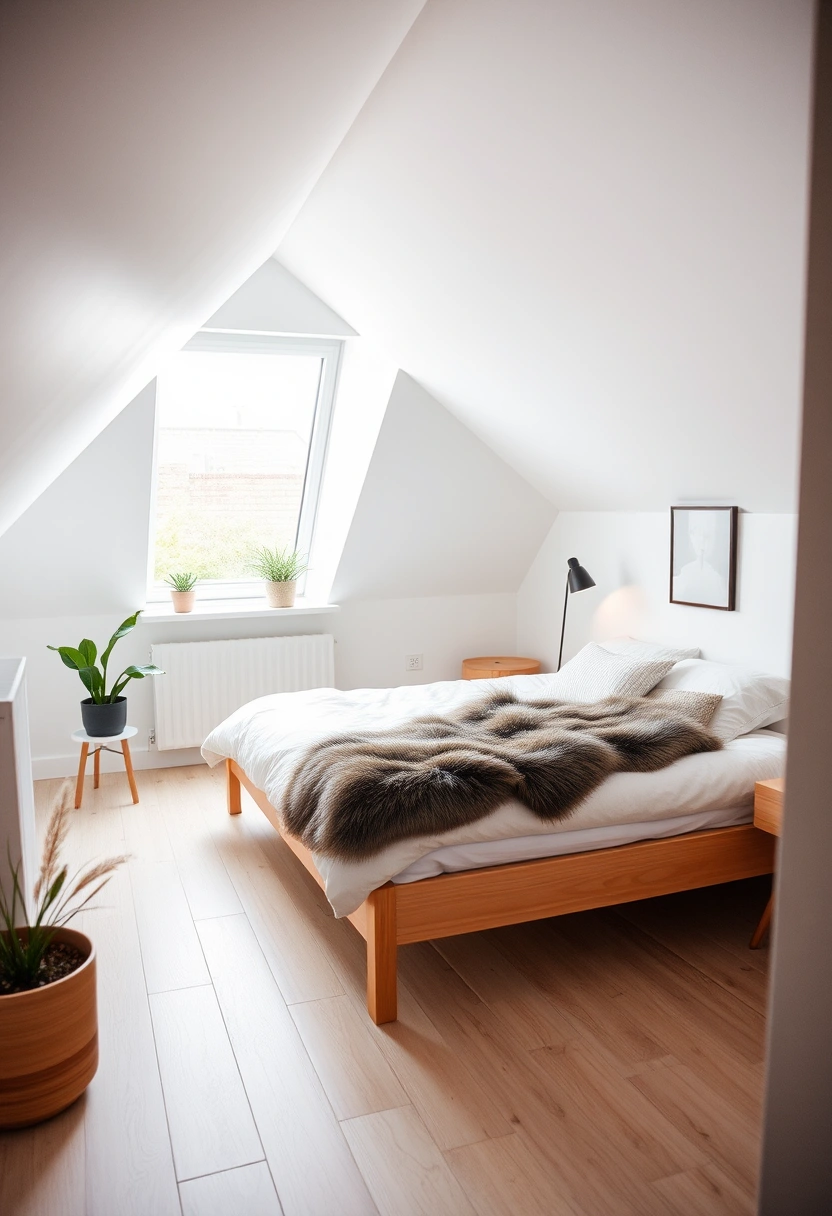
(204, 682)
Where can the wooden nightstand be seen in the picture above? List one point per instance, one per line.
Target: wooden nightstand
(768, 817)
(489, 667)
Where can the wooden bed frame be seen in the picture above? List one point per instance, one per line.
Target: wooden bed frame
(468, 900)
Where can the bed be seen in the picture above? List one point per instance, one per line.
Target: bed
(636, 836)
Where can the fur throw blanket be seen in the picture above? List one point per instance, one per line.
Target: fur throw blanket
(352, 795)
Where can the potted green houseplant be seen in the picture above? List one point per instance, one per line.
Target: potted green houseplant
(48, 1014)
(103, 712)
(182, 591)
(280, 569)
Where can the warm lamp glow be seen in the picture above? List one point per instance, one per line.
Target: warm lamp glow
(622, 613)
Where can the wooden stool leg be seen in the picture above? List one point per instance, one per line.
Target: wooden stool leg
(235, 798)
(96, 768)
(762, 929)
(128, 764)
(381, 955)
(79, 784)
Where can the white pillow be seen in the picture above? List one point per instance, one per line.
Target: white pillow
(750, 699)
(595, 673)
(650, 650)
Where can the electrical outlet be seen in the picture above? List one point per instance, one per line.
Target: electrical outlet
(413, 662)
(151, 737)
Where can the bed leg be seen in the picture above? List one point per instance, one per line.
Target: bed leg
(381, 954)
(235, 801)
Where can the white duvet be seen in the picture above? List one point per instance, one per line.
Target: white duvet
(266, 736)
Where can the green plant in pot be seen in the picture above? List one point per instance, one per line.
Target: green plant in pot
(280, 569)
(48, 1016)
(182, 591)
(104, 711)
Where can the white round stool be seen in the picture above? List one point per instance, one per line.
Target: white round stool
(99, 745)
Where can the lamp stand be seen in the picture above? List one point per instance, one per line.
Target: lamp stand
(563, 625)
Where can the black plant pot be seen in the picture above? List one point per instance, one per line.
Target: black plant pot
(104, 721)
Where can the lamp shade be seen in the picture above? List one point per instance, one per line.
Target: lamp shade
(579, 578)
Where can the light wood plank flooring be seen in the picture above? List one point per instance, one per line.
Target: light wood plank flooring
(602, 1064)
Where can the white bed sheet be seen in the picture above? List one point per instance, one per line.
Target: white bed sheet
(266, 736)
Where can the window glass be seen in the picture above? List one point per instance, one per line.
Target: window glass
(234, 430)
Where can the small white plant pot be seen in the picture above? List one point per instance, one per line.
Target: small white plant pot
(281, 595)
(183, 601)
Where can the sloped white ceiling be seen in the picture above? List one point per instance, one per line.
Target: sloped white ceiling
(580, 225)
(153, 155)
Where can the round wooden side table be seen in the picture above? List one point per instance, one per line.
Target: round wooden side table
(489, 667)
(99, 745)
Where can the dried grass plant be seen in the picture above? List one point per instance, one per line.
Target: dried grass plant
(57, 896)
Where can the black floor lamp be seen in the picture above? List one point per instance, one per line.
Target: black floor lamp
(577, 579)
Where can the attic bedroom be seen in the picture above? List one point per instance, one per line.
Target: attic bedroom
(414, 655)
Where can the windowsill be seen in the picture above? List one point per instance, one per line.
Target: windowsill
(228, 610)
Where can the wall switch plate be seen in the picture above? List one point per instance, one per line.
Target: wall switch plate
(413, 662)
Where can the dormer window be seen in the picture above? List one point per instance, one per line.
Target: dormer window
(242, 422)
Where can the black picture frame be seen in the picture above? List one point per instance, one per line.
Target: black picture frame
(712, 575)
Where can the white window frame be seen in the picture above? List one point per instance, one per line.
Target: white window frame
(328, 350)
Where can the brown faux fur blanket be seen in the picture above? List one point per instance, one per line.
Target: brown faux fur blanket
(352, 795)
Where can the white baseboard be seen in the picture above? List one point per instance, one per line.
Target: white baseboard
(143, 757)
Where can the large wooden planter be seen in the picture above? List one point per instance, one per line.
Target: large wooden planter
(48, 1042)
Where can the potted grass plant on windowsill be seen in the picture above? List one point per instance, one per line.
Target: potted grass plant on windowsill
(104, 713)
(48, 1013)
(280, 569)
(182, 591)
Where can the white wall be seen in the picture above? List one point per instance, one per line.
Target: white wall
(373, 636)
(796, 1171)
(439, 512)
(628, 555)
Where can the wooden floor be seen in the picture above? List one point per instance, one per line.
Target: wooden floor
(601, 1064)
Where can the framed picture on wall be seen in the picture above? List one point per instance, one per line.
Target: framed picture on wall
(703, 556)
